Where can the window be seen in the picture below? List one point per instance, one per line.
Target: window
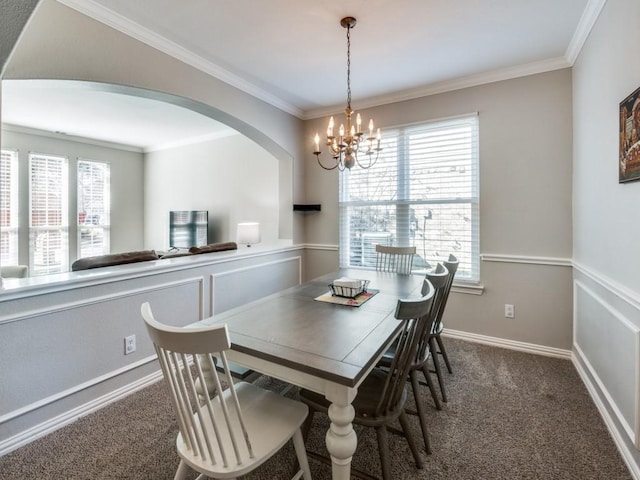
(422, 192)
(9, 207)
(48, 223)
(93, 208)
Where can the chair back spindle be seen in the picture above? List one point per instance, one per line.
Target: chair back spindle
(394, 259)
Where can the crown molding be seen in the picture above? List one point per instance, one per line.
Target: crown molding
(70, 138)
(134, 30)
(193, 140)
(585, 25)
(144, 35)
(492, 76)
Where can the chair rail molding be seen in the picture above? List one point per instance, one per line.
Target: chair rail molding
(320, 246)
(553, 261)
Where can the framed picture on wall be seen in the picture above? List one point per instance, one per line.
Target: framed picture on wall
(629, 158)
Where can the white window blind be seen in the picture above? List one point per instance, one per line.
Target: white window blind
(93, 208)
(48, 225)
(9, 207)
(422, 192)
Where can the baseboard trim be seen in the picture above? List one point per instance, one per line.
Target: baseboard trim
(618, 436)
(70, 416)
(510, 344)
(71, 391)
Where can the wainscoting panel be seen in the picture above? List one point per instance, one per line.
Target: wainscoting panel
(81, 344)
(62, 344)
(237, 287)
(608, 343)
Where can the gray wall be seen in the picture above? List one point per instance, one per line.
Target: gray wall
(60, 43)
(127, 170)
(606, 227)
(525, 205)
(233, 178)
(527, 221)
(525, 149)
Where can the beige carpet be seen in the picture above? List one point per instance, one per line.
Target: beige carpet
(510, 415)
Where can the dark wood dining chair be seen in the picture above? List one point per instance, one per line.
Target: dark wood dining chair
(394, 259)
(437, 284)
(435, 338)
(382, 395)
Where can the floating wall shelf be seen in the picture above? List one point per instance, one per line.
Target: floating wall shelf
(313, 207)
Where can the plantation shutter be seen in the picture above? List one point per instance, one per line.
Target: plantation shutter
(48, 232)
(9, 207)
(93, 208)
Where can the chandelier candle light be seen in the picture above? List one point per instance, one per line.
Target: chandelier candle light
(351, 141)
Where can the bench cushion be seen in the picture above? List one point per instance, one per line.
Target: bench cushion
(113, 259)
(214, 247)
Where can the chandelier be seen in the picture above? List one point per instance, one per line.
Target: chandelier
(350, 141)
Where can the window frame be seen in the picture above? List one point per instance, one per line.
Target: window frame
(62, 229)
(396, 143)
(103, 227)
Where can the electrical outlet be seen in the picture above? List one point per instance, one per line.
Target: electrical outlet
(129, 344)
(509, 310)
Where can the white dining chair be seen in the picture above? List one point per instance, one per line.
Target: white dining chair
(241, 426)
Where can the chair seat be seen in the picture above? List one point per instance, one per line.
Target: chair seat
(366, 402)
(270, 420)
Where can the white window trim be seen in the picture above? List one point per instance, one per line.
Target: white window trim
(63, 227)
(468, 284)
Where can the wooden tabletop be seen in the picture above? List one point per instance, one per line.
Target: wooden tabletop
(333, 342)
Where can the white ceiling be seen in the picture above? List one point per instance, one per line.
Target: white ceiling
(75, 109)
(292, 53)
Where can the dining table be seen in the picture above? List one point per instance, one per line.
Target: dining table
(300, 336)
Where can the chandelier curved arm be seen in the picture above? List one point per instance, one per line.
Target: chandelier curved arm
(338, 163)
(371, 163)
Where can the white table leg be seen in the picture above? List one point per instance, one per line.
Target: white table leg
(341, 440)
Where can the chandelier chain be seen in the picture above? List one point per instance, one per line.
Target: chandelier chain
(349, 67)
